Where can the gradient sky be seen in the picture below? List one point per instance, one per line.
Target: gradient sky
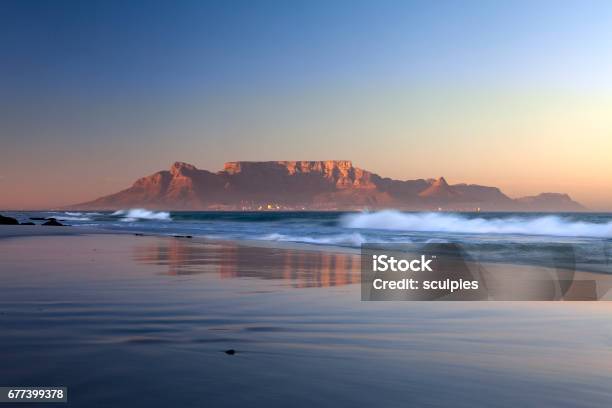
(94, 94)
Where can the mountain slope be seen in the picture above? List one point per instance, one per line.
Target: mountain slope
(549, 202)
(439, 189)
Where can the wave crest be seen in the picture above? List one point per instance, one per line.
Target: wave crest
(135, 214)
(440, 222)
(351, 239)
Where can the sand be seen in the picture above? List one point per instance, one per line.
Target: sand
(125, 320)
(13, 231)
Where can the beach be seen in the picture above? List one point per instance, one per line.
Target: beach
(147, 321)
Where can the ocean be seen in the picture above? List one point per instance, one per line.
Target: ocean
(518, 238)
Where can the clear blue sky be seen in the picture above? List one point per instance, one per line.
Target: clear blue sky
(97, 93)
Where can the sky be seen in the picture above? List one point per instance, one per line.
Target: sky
(96, 94)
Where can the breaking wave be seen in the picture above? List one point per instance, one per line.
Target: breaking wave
(135, 214)
(351, 239)
(71, 216)
(552, 225)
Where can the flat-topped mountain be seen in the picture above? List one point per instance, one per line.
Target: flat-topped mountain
(311, 185)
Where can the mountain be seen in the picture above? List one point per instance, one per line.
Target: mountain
(439, 189)
(311, 185)
(549, 202)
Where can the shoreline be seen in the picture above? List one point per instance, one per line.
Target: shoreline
(504, 271)
(24, 231)
(18, 231)
(27, 231)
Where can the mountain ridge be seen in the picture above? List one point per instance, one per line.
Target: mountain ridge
(311, 185)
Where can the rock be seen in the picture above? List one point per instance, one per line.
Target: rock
(38, 218)
(230, 352)
(53, 222)
(182, 236)
(8, 221)
(27, 223)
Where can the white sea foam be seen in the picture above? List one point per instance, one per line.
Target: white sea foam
(70, 218)
(351, 239)
(551, 225)
(135, 214)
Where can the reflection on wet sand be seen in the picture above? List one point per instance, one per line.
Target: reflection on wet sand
(298, 268)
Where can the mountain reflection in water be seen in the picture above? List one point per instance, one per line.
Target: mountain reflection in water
(297, 268)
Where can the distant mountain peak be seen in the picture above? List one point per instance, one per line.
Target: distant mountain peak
(441, 181)
(439, 189)
(181, 167)
(544, 201)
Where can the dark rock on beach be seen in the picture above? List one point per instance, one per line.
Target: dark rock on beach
(53, 222)
(38, 218)
(8, 220)
(230, 352)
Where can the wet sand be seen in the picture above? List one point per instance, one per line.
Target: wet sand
(14, 231)
(125, 320)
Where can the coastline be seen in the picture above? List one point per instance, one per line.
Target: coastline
(17, 231)
(503, 271)
(24, 231)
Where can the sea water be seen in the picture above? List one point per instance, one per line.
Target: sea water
(520, 238)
